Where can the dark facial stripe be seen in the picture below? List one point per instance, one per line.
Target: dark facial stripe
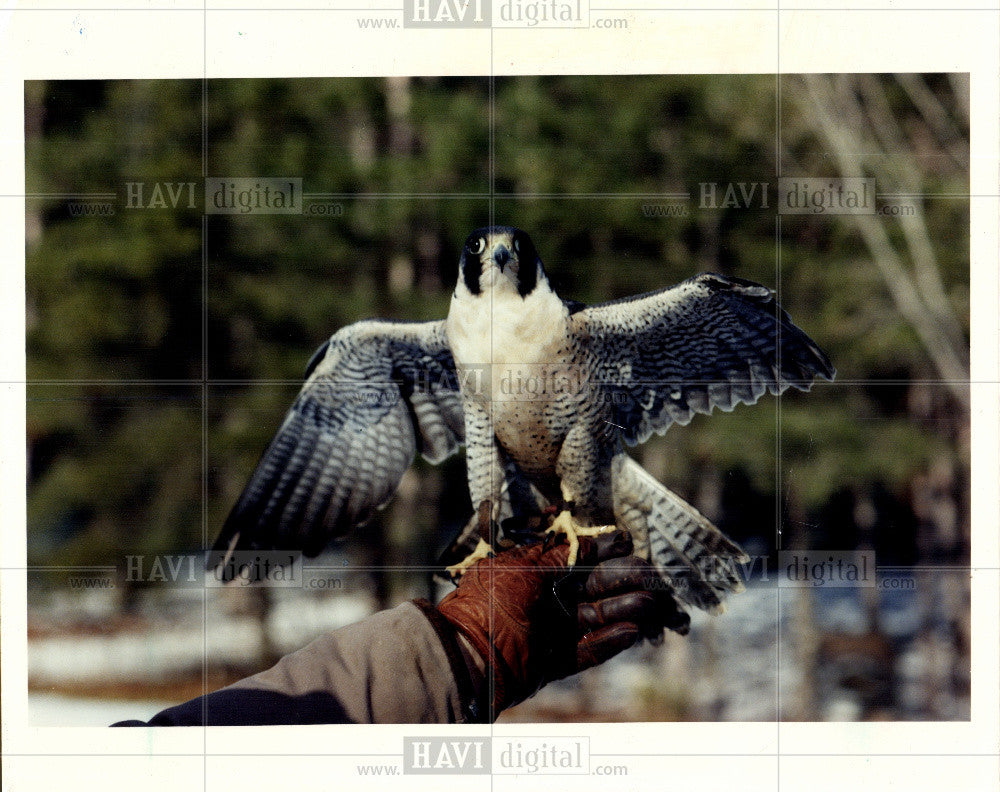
(471, 269)
(527, 269)
(527, 277)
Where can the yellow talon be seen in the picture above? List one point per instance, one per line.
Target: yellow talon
(564, 523)
(483, 550)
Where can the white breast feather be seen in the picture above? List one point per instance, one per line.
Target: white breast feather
(502, 330)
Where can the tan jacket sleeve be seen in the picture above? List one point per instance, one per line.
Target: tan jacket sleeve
(402, 665)
(392, 667)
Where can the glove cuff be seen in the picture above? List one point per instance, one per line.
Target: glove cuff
(475, 704)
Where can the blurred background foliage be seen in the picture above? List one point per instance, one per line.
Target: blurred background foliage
(164, 345)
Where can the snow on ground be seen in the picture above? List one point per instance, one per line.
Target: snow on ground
(181, 643)
(49, 709)
(728, 668)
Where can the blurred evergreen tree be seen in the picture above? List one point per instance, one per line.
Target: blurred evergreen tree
(134, 317)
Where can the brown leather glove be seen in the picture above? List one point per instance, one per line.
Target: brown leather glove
(531, 619)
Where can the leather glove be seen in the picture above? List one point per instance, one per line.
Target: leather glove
(530, 619)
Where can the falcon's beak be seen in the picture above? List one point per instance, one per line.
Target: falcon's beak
(501, 256)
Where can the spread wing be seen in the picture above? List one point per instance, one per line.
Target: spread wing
(375, 394)
(708, 342)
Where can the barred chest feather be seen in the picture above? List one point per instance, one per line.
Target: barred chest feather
(508, 348)
(514, 358)
(504, 328)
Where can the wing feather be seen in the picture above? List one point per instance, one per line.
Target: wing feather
(708, 342)
(375, 394)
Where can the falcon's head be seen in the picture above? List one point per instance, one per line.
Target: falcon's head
(499, 258)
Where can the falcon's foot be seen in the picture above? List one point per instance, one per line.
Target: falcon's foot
(564, 523)
(483, 550)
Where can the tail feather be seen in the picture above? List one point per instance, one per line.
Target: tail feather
(694, 557)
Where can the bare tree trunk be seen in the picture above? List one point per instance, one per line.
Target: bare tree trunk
(261, 603)
(917, 292)
(804, 641)
(855, 117)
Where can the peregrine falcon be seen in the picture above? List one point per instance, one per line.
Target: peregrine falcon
(544, 393)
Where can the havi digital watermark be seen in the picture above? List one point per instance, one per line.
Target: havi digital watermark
(277, 568)
(236, 195)
(847, 196)
(495, 13)
(824, 568)
(496, 755)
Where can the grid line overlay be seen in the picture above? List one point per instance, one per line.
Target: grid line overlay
(205, 381)
(204, 394)
(777, 401)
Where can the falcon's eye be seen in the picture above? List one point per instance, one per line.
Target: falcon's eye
(517, 245)
(478, 246)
